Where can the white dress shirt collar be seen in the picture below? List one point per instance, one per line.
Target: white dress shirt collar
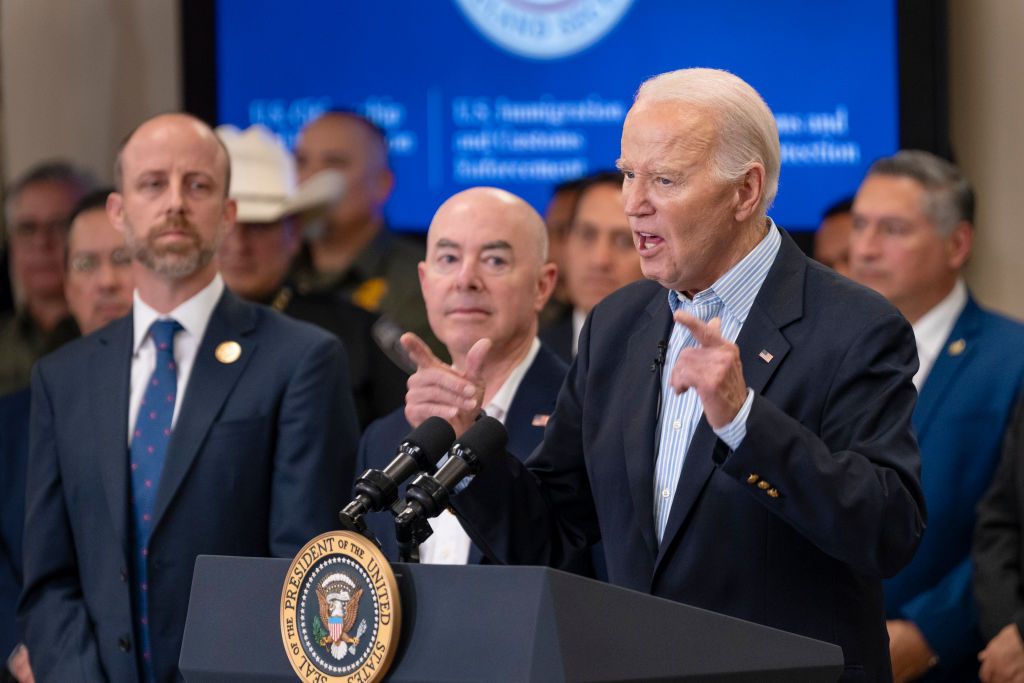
(501, 402)
(578, 318)
(934, 327)
(193, 315)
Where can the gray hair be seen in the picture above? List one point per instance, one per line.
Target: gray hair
(80, 182)
(948, 195)
(746, 130)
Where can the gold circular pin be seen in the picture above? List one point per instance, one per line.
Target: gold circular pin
(957, 347)
(228, 352)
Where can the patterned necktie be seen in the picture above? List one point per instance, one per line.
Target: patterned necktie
(149, 446)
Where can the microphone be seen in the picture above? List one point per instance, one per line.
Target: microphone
(376, 489)
(659, 360)
(427, 496)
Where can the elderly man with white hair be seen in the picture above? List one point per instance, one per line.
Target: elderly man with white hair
(735, 429)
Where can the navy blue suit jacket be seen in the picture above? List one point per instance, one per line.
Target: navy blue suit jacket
(557, 335)
(830, 364)
(535, 397)
(259, 462)
(960, 419)
(13, 459)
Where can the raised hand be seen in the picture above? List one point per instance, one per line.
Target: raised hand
(436, 388)
(713, 369)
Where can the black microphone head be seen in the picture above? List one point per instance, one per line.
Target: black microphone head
(433, 438)
(486, 435)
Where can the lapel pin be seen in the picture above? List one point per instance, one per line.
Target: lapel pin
(540, 420)
(957, 347)
(765, 356)
(228, 352)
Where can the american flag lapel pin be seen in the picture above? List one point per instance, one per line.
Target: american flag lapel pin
(540, 420)
(765, 356)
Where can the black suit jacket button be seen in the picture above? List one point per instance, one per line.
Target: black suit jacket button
(124, 644)
(124, 574)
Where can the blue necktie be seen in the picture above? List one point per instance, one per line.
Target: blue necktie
(149, 446)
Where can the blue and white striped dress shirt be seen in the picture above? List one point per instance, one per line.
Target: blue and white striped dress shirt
(729, 298)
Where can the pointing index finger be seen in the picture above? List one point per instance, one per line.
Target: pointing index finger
(706, 334)
(418, 351)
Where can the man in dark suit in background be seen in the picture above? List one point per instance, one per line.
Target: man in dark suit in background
(832, 238)
(484, 276)
(98, 288)
(599, 258)
(737, 431)
(38, 206)
(913, 227)
(558, 218)
(998, 555)
(200, 424)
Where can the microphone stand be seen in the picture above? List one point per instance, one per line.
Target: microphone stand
(409, 536)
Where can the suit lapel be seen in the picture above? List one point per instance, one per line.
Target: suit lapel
(558, 336)
(110, 373)
(640, 420)
(208, 387)
(954, 355)
(534, 398)
(762, 351)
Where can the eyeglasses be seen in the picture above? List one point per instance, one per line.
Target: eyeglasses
(28, 229)
(89, 262)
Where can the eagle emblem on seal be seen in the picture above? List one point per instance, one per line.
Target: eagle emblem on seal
(338, 598)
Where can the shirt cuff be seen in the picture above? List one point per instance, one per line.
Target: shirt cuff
(734, 432)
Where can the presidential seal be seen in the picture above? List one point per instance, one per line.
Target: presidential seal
(544, 29)
(340, 615)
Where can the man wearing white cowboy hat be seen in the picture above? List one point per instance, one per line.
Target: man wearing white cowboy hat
(256, 257)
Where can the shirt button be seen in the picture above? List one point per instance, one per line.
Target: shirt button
(677, 424)
(444, 553)
(664, 493)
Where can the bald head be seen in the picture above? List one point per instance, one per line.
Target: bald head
(160, 127)
(494, 205)
(486, 274)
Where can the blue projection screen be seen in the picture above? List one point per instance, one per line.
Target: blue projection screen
(524, 94)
